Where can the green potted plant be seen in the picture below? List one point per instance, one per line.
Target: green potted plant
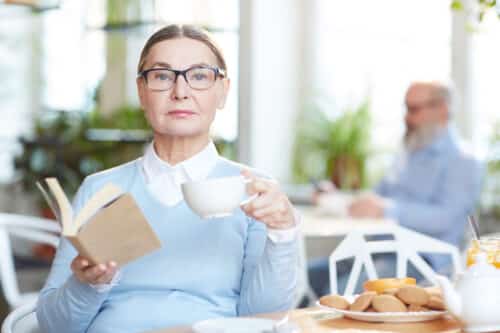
(332, 148)
(72, 145)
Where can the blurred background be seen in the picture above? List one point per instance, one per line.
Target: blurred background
(322, 80)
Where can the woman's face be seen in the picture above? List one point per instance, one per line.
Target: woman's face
(181, 111)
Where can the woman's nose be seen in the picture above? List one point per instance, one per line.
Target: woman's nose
(181, 88)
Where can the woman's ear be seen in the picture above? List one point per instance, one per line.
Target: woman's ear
(222, 93)
(141, 86)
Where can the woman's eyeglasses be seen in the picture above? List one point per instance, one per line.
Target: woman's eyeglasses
(198, 78)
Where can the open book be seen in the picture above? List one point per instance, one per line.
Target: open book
(116, 229)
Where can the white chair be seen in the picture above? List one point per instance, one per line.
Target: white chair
(22, 320)
(407, 244)
(26, 227)
(304, 289)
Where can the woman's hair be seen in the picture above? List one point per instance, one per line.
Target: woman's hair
(179, 31)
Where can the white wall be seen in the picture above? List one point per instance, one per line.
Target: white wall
(271, 76)
(462, 74)
(475, 74)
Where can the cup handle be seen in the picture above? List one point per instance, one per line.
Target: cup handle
(252, 197)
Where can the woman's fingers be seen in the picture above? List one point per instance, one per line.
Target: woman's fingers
(93, 274)
(79, 263)
(271, 206)
(275, 221)
(108, 275)
(258, 186)
(259, 202)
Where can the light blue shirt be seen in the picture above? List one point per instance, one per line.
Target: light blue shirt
(432, 190)
(205, 268)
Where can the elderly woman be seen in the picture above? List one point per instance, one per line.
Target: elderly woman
(239, 266)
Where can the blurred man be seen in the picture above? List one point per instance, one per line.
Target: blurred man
(433, 185)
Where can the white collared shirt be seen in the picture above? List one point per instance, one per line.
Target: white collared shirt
(164, 181)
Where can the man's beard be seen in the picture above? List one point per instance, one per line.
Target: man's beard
(420, 137)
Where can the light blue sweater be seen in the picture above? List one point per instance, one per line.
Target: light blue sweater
(205, 268)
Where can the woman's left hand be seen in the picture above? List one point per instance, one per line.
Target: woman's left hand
(271, 206)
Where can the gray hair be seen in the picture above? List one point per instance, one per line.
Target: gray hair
(187, 31)
(442, 91)
(445, 91)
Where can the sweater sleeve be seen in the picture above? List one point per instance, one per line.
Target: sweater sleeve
(270, 273)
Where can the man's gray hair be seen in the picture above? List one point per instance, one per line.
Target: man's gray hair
(445, 91)
(442, 91)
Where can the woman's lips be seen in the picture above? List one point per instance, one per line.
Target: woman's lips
(181, 113)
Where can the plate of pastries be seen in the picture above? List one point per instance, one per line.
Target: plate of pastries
(389, 300)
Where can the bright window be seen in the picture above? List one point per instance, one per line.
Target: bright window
(17, 90)
(373, 49)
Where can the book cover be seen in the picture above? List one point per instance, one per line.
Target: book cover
(109, 227)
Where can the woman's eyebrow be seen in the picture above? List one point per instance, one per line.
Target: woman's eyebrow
(161, 64)
(200, 64)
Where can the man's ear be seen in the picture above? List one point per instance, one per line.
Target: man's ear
(222, 93)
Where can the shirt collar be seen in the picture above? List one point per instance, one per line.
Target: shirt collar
(196, 167)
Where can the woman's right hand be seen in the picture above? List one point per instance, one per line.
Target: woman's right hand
(86, 272)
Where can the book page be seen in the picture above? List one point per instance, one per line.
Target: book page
(50, 201)
(64, 206)
(102, 197)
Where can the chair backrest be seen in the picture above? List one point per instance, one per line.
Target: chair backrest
(22, 320)
(26, 227)
(407, 244)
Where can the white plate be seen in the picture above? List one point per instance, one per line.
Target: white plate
(389, 317)
(241, 325)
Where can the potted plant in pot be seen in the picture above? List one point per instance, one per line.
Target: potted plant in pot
(332, 148)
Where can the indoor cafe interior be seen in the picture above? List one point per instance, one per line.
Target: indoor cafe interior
(249, 166)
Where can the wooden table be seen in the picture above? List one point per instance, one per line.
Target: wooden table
(314, 320)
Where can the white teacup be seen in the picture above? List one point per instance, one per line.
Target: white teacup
(216, 197)
(335, 203)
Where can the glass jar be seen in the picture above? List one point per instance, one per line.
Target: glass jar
(491, 246)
